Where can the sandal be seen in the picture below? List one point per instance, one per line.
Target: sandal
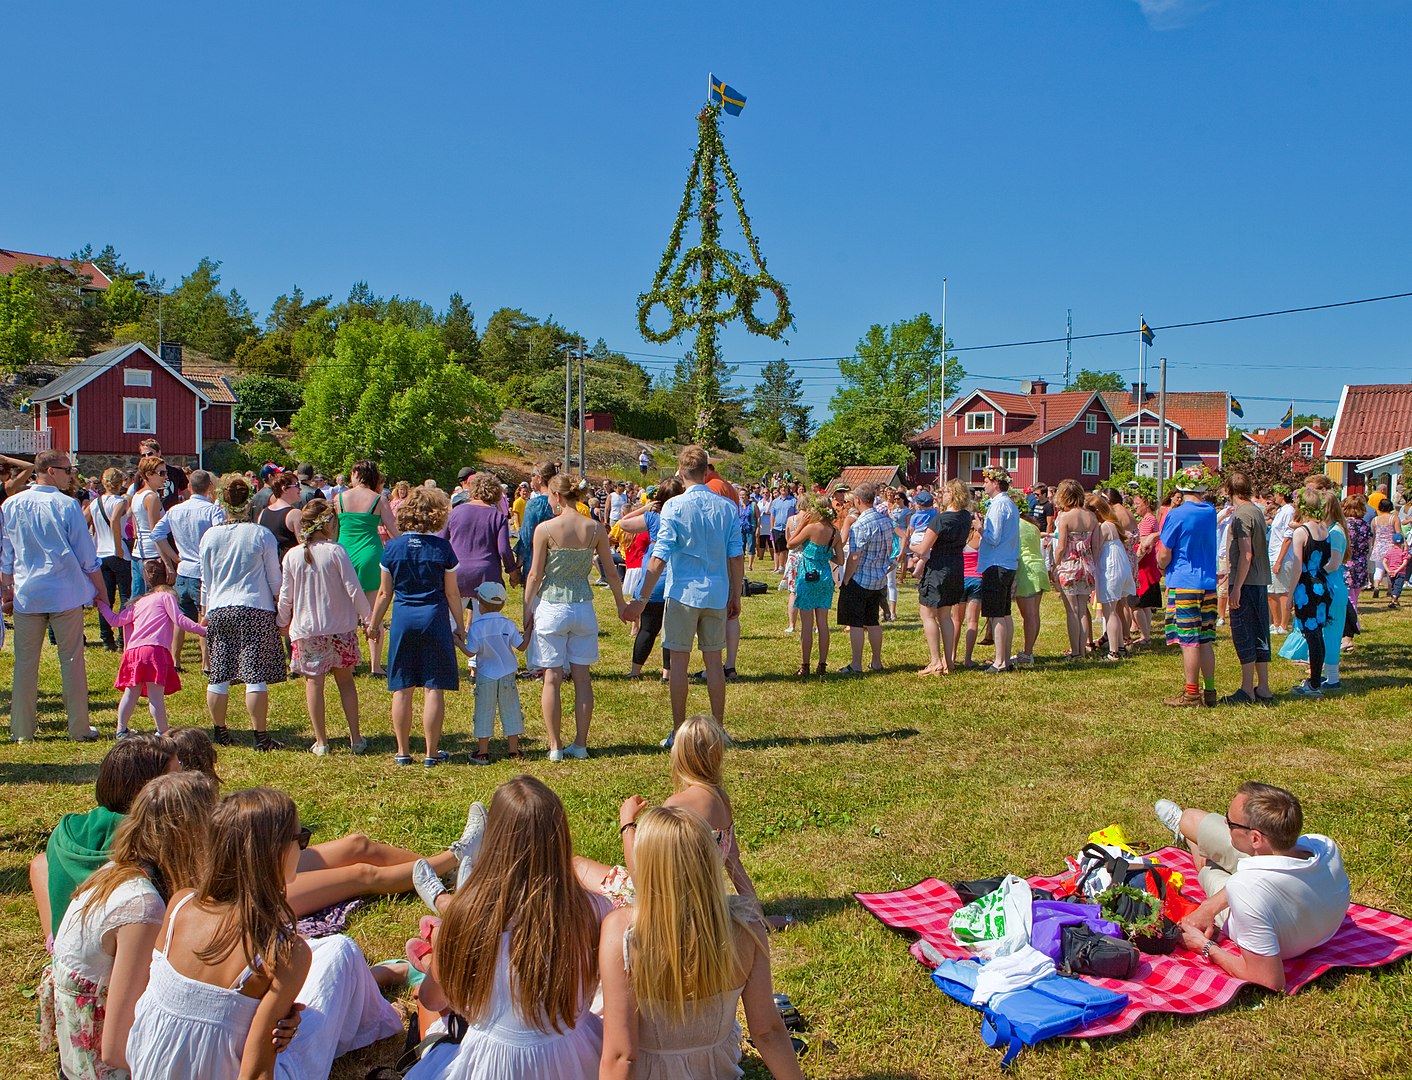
(264, 743)
(220, 735)
(820, 668)
(803, 669)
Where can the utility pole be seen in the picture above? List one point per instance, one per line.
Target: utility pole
(1069, 349)
(568, 401)
(1161, 429)
(941, 427)
(583, 423)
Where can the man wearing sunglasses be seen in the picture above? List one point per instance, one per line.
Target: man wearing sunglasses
(1276, 893)
(49, 573)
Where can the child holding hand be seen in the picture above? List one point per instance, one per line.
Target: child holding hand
(493, 639)
(147, 669)
(1395, 563)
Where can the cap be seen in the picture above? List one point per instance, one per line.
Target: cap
(491, 592)
(922, 498)
(464, 473)
(268, 469)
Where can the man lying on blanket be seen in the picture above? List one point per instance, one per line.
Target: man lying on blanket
(1276, 893)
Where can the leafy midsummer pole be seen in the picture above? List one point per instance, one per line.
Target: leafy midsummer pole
(708, 285)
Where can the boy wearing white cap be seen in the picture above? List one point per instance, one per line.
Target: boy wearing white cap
(493, 639)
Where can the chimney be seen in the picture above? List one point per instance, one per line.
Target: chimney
(1038, 388)
(170, 352)
(1137, 395)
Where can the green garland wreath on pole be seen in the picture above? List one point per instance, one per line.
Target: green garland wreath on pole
(709, 285)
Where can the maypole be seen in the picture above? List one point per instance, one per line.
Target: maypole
(708, 285)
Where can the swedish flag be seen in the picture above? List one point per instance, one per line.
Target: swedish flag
(727, 97)
(1235, 408)
(1147, 335)
(1288, 421)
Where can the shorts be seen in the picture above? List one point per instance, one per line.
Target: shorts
(1223, 578)
(1191, 617)
(502, 693)
(997, 589)
(747, 539)
(188, 596)
(1151, 597)
(858, 606)
(971, 590)
(1213, 839)
(683, 624)
(1282, 580)
(563, 634)
(1250, 626)
(940, 586)
(777, 538)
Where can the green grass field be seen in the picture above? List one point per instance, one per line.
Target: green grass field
(865, 784)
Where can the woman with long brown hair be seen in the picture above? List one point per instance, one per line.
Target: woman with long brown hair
(938, 565)
(364, 514)
(231, 964)
(145, 504)
(1075, 533)
(516, 953)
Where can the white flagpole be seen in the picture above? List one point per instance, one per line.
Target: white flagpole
(1141, 397)
(941, 425)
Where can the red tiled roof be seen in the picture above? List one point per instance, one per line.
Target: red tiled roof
(1275, 436)
(10, 261)
(212, 384)
(1059, 410)
(1373, 419)
(1201, 413)
(877, 475)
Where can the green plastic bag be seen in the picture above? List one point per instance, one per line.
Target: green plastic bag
(980, 920)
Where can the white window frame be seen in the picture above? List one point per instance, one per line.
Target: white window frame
(980, 421)
(980, 459)
(133, 418)
(928, 461)
(1090, 456)
(1010, 460)
(1091, 423)
(137, 377)
(1306, 449)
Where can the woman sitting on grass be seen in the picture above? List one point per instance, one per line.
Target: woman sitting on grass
(103, 947)
(676, 963)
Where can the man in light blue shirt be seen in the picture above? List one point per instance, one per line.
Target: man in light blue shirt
(183, 526)
(997, 560)
(782, 508)
(861, 594)
(49, 570)
(699, 548)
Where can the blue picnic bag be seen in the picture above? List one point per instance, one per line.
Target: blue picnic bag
(1019, 1018)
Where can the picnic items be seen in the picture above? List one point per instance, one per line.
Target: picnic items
(997, 923)
(1049, 919)
(1086, 951)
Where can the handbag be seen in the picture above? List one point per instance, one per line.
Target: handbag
(1087, 952)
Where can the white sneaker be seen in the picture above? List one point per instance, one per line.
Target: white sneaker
(666, 744)
(468, 843)
(1306, 690)
(427, 883)
(319, 749)
(359, 747)
(574, 750)
(1220, 622)
(1170, 815)
(556, 755)
(789, 629)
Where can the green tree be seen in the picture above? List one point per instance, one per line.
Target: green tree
(28, 330)
(1324, 423)
(775, 411)
(266, 397)
(835, 446)
(1237, 449)
(888, 385)
(199, 313)
(392, 393)
(458, 330)
(1106, 382)
(123, 302)
(296, 332)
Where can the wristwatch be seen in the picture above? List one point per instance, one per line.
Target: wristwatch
(1206, 950)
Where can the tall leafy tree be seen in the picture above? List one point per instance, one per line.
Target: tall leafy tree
(458, 330)
(201, 314)
(266, 397)
(775, 403)
(394, 394)
(28, 329)
(1103, 381)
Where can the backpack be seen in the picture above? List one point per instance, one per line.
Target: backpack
(1088, 952)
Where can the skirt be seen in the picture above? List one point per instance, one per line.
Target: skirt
(148, 664)
(244, 646)
(324, 653)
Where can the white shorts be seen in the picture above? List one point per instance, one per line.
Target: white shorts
(1283, 580)
(563, 634)
(503, 693)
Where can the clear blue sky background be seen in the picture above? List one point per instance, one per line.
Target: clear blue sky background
(1183, 159)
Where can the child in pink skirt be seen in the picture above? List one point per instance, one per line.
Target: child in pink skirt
(147, 669)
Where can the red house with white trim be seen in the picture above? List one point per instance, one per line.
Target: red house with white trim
(91, 279)
(101, 408)
(1195, 433)
(1041, 438)
(1308, 441)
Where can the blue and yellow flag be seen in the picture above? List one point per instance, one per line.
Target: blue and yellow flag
(1235, 408)
(1147, 334)
(727, 97)
(1288, 421)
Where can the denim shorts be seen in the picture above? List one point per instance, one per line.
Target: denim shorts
(188, 596)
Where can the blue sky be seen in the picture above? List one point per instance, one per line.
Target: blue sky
(1187, 160)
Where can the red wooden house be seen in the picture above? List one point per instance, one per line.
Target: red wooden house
(1038, 436)
(1195, 433)
(1308, 441)
(101, 408)
(1372, 430)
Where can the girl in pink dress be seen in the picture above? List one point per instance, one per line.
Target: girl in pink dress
(147, 669)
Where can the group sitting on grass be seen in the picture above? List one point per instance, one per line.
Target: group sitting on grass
(175, 949)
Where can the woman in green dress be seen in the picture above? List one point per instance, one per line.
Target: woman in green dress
(362, 510)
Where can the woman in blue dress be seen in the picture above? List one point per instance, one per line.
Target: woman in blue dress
(1295, 646)
(816, 542)
(419, 572)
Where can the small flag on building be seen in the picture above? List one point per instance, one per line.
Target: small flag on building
(1147, 335)
(1235, 408)
(727, 97)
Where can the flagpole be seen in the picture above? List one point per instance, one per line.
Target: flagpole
(941, 424)
(1141, 397)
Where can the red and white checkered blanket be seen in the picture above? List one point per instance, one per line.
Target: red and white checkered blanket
(1179, 983)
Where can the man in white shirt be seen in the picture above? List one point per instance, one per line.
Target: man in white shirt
(49, 571)
(1276, 893)
(178, 536)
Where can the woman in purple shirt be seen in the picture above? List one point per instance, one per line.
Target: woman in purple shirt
(480, 535)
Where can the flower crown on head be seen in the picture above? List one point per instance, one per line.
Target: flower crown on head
(996, 472)
(314, 526)
(1310, 504)
(1280, 489)
(1195, 478)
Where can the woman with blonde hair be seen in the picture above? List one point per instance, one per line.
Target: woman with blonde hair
(1296, 645)
(676, 964)
(321, 603)
(103, 947)
(106, 513)
(938, 563)
(145, 505)
(1075, 532)
(515, 954)
(815, 542)
(1113, 576)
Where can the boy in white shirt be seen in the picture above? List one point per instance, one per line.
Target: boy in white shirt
(492, 639)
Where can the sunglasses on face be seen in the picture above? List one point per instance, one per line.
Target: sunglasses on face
(1233, 825)
(303, 836)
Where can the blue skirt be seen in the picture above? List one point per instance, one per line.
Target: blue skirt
(420, 649)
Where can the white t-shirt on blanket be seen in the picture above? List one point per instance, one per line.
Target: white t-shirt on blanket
(1284, 907)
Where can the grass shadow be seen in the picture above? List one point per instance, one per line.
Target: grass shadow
(18, 772)
(825, 740)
